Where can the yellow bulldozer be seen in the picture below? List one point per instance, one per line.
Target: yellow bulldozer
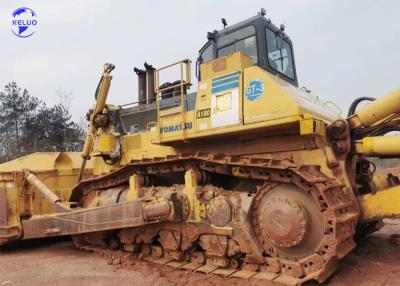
(249, 177)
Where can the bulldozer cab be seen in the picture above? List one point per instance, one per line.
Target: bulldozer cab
(267, 45)
(245, 72)
(238, 87)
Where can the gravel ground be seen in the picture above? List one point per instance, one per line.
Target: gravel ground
(376, 261)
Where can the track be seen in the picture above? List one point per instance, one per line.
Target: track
(292, 226)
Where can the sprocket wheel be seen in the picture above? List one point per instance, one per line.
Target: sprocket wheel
(290, 221)
(304, 228)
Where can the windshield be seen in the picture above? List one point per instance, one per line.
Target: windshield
(243, 40)
(280, 56)
(207, 54)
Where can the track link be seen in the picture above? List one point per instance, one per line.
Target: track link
(248, 249)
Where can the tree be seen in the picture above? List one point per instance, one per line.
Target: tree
(17, 108)
(57, 131)
(27, 125)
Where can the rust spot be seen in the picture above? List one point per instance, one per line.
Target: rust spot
(3, 208)
(219, 65)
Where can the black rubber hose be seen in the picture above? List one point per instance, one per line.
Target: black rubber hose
(353, 106)
(96, 94)
(384, 130)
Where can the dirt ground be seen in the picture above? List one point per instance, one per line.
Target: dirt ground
(376, 261)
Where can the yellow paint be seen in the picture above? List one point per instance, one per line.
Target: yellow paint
(269, 105)
(135, 184)
(379, 146)
(307, 126)
(382, 204)
(191, 183)
(14, 228)
(106, 143)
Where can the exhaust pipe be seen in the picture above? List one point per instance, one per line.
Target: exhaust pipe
(150, 82)
(141, 85)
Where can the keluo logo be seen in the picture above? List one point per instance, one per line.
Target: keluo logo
(24, 22)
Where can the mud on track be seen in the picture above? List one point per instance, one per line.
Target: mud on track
(376, 261)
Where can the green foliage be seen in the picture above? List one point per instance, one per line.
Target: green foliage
(27, 125)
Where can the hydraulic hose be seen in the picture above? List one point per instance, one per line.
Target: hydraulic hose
(354, 105)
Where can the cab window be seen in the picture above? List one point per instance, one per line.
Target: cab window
(243, 40)
(280, 55)
(207, 55)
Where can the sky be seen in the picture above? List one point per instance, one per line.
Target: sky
(343, 49)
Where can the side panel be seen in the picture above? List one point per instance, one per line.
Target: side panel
(175, 124)
(264, 97)
(220, 94)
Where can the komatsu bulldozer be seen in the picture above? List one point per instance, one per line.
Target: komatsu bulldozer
(249, 177)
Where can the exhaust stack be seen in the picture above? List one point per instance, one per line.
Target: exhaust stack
(150, 82)
(141, 85)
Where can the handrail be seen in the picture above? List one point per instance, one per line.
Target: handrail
(185, 81)
(185, 61)
(330, 103)
(175, 85)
